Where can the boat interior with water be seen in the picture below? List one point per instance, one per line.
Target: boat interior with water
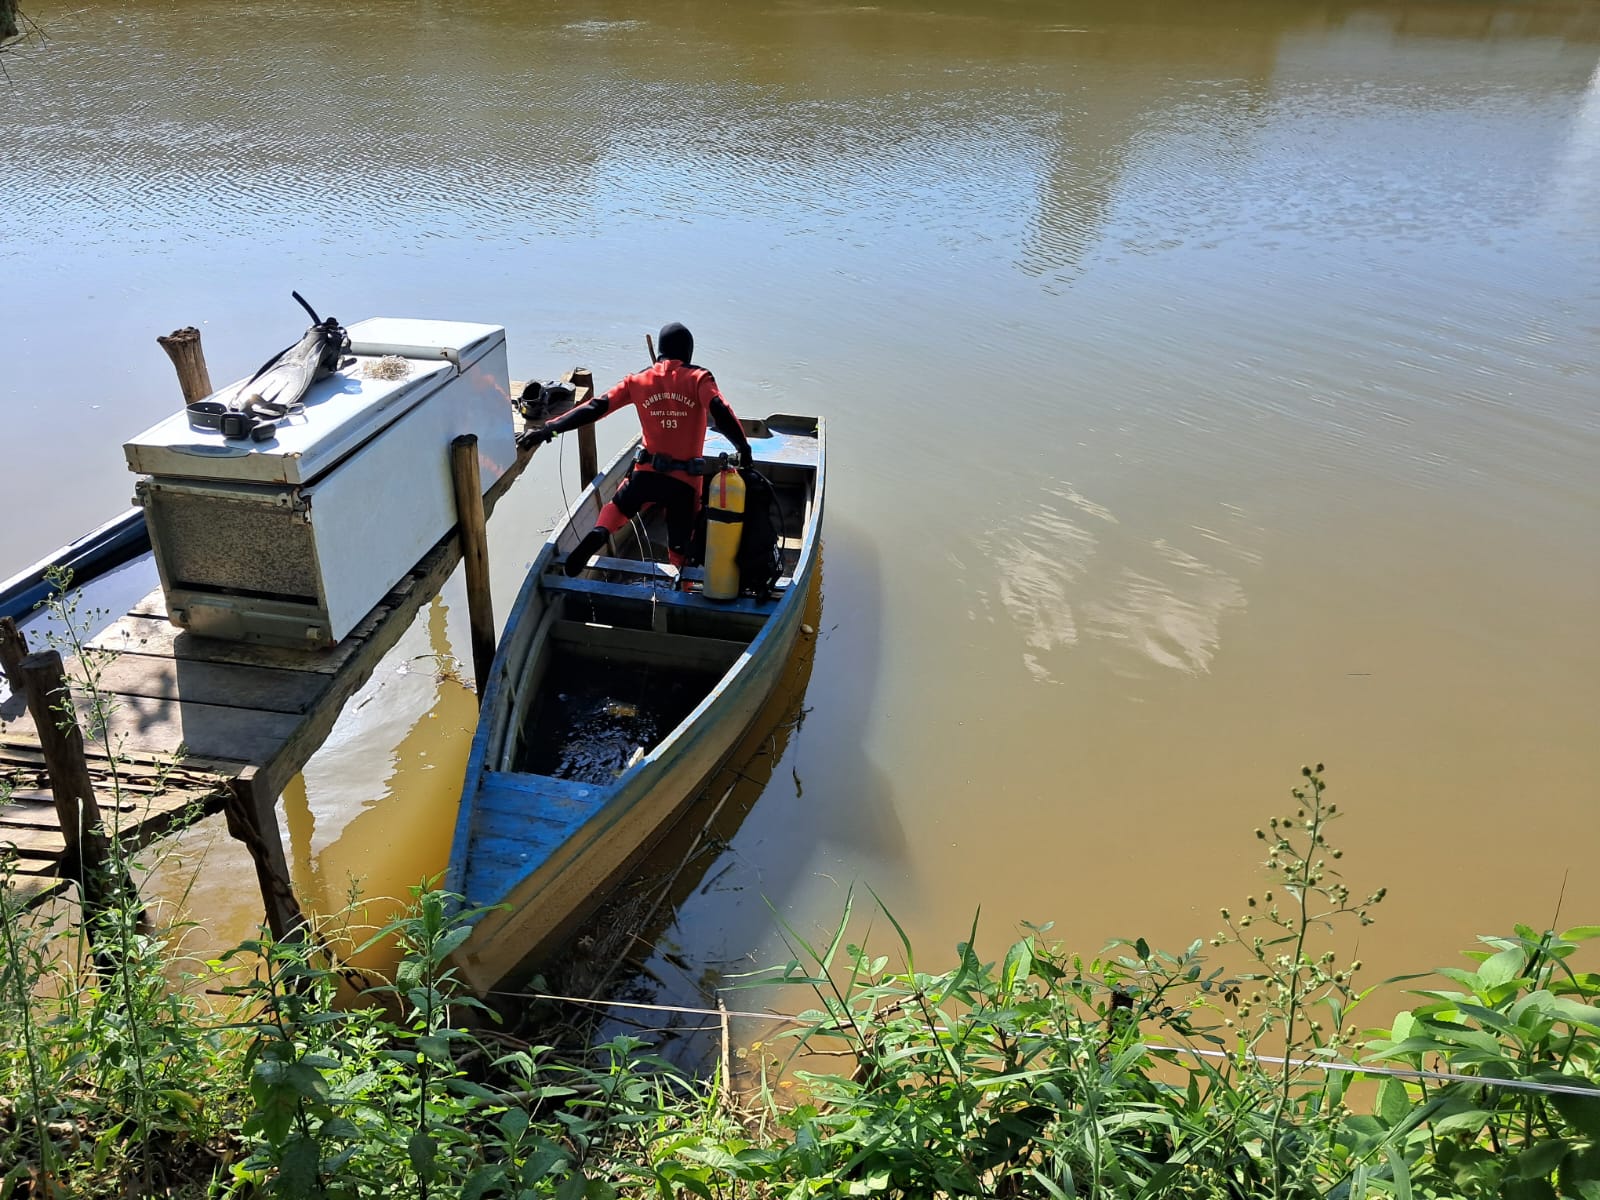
(628, 655)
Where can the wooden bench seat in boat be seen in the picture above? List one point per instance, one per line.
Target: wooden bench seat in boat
(556, 581)
(520, 819)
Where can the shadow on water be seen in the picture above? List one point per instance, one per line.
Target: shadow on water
(380, 846)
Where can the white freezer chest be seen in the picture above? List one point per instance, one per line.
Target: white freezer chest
(294, 540)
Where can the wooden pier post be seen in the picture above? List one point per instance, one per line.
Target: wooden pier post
(72, 788)
(582, 381)
(253, 820)
(183, 347)
(13, 649)
(474, 553)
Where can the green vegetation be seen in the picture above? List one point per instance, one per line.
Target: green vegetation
(128, 1068)
(1142, 1073)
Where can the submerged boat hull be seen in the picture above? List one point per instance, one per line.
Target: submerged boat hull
(538, 846)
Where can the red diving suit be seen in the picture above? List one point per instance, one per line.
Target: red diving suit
(675, 401)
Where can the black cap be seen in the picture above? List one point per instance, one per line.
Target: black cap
(675, 341)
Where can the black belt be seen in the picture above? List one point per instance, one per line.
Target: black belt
(691, 466)
(255, 420)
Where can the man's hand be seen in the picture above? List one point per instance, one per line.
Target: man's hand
(535, 435)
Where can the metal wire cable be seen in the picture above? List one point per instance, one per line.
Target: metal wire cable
(1416, 1073)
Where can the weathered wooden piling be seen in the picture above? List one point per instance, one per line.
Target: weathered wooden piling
(13, 649)
(582, 381)
(183, 348)
(83, 831)
(474, 554)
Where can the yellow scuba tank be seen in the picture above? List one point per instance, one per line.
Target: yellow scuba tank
(724, 524)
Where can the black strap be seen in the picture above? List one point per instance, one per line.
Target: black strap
(692, 466)
(255, 418)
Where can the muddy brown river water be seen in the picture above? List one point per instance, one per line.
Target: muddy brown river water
(1212, 389)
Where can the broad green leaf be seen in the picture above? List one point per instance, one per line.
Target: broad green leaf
(297, 1170)
(1542, 1159)
(481, 1180)
(1470, 1121)
(1393, 1103)
(513, 1124)
(337, 1127)
(447, 945)
(306, 1081)
(572, 1187)
(1574, 1013)
(1581, 1112)
(1502, 967)
(1463, 1035)
(1582, 983)
(1527, 1189)
(1581, 933)
(435, 1048)
(1582, 1171)
(422, 1148)
(1018, 965)
(1402, 1175)
(713, 1156)
(465, 1087)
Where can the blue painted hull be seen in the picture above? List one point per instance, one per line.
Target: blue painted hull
(111, 545)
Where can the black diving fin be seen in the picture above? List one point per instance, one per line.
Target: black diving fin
(279, 387)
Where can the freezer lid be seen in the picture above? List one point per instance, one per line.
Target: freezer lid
(341, 413)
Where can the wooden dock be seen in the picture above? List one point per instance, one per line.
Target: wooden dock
(195, 726)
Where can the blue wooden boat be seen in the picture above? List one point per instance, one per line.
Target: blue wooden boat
(613, 698)
(117, 541)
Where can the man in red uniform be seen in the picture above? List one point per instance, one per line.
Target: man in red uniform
(676, 400)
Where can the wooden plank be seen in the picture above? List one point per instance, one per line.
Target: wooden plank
(38, 843)
(627, 591)
(153, 604)
(34, 880)
(134, 832)
(135, 788)
(152, 733)
(266, 689)
(30, 813)
(29, 810)
(488, 883)
(178, 729)
(514, 798)
(19, 757)
(147, 635)
(635, 566)
(644, 645)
